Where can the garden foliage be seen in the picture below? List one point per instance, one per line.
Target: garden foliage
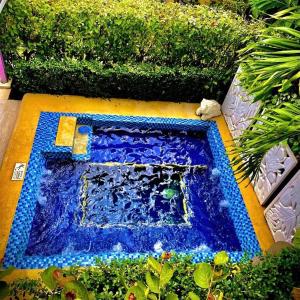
(272, 64)
(278, 125)
(238, 6)
(273, 278)
(271, 73)
(267, 7)
(110, 35)
(144, 81)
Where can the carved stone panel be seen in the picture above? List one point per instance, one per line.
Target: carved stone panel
(275, 166)
(238, 108)
(283, 213)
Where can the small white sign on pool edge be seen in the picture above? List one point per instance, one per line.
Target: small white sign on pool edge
(19, 171)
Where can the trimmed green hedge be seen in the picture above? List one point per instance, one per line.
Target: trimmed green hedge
(114, 33)
(238, 6)
(140, 81)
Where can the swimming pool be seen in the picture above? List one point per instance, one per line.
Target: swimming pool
(145, 185)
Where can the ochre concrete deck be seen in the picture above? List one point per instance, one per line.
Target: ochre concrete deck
(9, 110)
(19, 149)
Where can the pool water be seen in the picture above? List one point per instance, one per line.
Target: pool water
(131, 195)
(143, 190)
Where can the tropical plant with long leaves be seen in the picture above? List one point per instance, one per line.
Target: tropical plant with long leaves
(263, 7)
(270, 68)
(272, 64)
(274, 127)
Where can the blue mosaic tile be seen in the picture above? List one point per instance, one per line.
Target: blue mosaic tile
(44, 146)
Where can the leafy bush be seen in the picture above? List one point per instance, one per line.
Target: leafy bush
(237, 6)
(122, 31)
(4, 288)
(116, 33)
(273, 278)
(140, 81)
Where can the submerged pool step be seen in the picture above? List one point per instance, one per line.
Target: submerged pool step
(73, 135)
(65, 131)
(81, 142)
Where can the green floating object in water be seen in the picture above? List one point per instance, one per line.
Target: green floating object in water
(169, 193)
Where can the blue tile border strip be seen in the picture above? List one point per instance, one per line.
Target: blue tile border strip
(44, 146)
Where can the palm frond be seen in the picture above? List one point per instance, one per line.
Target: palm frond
(265, 7)
(272, 64)
(274, 127)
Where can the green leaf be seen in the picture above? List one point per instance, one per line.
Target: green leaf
(142, 286)
(166, 274)
(296, 239)
(288, 30)
(91, 296)
(152, 282)
(217, 277)
(48, 278)
(152, 297)
(137, 292)
(172, 296)
(168, 193)
(7, 271)
(154, 264)
(221, 258)
(193, 296)
(76, 288)
(203, 275)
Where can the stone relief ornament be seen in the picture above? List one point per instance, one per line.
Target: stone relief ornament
(238, 108)
(276, 165)
(283, 213)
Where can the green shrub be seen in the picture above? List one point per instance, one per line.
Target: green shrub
(237, 6)
(122, 32)
(273, 278)
(140, 81)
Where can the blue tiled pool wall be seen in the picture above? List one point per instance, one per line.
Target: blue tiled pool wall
(231, 191)
(44, 147)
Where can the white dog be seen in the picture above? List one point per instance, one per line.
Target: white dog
(208, 109)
